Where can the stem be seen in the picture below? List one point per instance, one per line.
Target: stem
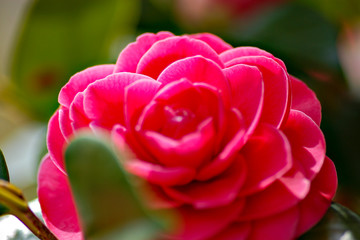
(12, 198)
(34, 224)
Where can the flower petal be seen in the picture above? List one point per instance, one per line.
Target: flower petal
(268, 157)
(56, 141)
(202, 224)
(189, 151)
(307, 142)
(278, 227)
(213, 41)
(56, 202)
(104, 99)
(65, 122)
(160, 175)
(196, 69)
(130, 56)
(77, 113)
(169, 50)
(304, 100)
(238, 231)
(81, 80)
(315, 205)
(247, 89)
(276, 88)
(137, 96)
(216, 192)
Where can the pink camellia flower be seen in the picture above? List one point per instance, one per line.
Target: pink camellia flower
(224, 136)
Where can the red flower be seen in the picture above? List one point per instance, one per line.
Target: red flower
(217, 132)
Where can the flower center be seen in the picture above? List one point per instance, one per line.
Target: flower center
(179, 122)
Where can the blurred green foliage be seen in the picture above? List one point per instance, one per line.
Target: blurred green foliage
(58, 39)
(4, 174)
(106, 200)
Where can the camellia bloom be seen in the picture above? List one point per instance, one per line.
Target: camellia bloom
(224, 136)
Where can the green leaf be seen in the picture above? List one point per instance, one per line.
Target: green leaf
(338, 223)
(298, 35)
(60, 38)
(4, 174)
(105, 199)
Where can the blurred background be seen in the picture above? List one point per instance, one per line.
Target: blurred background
(44, 42)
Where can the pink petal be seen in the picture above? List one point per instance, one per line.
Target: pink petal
(81, 80)
(307, 142)
(155, 197)
(283, 194)
(268, 157)
(278, 227)
(203, 224)
(104, 99)
(137, 96)
(160, 175)
(77, 113)
(238, 52)
(56, 202)
(304, 100)
(65, 122)
(247, 89)
(276, 88)
(216, 192)
(234, 142)
(56, 141)
(189, 151)
(197, 69)
(169, 50)
(130, 56)
(235, 231)
(213, 41)
(315, 205)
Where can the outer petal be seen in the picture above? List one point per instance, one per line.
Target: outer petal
(213, 41)
(202, 224)
(217, 192)
(130, 56)
(268, 157)
(157, 174)
(77, 113)
(238, 52)
(57, 203)
(307, 142)
(65, 122)
(81, 80)
(277, 88)
(169, 50)
(56, 141)
(314, 206)
(304, 100)
(236, 231)
(282, 195)
(278, 227)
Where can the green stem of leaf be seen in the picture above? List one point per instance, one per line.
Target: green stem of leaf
(12, 198)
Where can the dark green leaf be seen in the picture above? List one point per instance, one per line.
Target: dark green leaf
(298, 35)
(338, 223)
(60, 38)
(105, 199)
(4, 174)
